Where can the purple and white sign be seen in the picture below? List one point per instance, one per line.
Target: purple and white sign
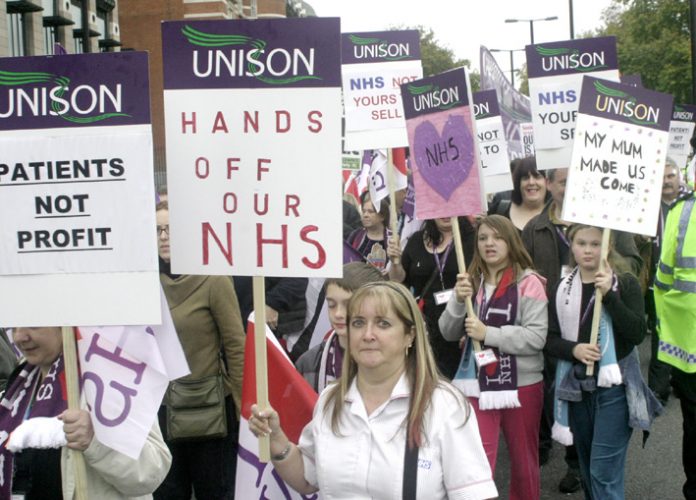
(493, 151)
(76, 190)
(247, 54)
(444, 150)
(681, 128)
(247, 149)
(615, 177)
(555, 77)
(375, 65)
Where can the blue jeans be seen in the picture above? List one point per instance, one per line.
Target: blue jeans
(601, 434)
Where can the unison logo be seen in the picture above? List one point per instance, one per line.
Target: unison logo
(563, 58)
(277, 66)
(45, 94)
(620, 103)
(682, 114)
(376, 48)
(432, 97)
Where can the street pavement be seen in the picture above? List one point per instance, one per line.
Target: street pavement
(652, 473)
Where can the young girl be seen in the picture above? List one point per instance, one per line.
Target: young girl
(597, 410)
(510, 303)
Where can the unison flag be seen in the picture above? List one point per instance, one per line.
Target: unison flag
(292, 397)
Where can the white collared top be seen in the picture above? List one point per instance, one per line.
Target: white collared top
(367, 460)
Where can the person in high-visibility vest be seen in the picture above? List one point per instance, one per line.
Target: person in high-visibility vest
(675, 304)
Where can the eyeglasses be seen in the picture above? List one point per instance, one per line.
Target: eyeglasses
(162, 229)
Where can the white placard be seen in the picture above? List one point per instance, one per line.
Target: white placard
(493, 152)
(74, 201)
(251, 201)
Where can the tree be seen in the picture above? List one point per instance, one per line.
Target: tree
(653, 41)
(437, 58)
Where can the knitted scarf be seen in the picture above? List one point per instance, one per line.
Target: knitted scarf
(331, 362)
(23, 404)
(495, 384)
(568, 305)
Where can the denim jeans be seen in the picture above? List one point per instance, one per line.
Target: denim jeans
(601, 434)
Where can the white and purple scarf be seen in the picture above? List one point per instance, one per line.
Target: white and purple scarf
(25, 404)
(568, 305)
(331, 362)
(495, 385)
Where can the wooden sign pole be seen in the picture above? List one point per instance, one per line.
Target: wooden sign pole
(72, 385)
(461, 264)
(597, 311)
(261, 360)
(393, 222)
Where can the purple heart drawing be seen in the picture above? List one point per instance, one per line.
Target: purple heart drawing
(444, 160)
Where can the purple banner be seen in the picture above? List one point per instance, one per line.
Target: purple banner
(435, 93)
(572, 56)
(486, 104)
(684, 113)
(261, 53)
(625, 103)
(83, 90)
(380, 46)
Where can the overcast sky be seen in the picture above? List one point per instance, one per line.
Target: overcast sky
(465, 25)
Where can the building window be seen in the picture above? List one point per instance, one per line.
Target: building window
(76, 13)
(15, 32)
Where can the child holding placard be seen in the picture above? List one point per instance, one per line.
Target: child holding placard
(598, 411)
(506, 387)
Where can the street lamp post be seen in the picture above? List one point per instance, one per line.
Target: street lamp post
(531, 23)
(512, 62)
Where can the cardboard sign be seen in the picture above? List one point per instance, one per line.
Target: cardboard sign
(493, 151)
(77, 222)
(681, 128)
(375, 65)
(615, 177)
(253, 127)
(444, 151)
(555, 78)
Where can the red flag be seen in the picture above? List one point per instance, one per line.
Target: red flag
(292, 397)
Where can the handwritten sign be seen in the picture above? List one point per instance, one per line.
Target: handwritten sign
(556, 71)
(444, 151)
(615, 177)
(493, 151)
(375, 65)
(76, 191)
(253, 127)
(681, 128)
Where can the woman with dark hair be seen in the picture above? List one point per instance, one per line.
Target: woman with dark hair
(528, 195)
(371, 240)
(428, 265)
(510, 303)
(391, 427)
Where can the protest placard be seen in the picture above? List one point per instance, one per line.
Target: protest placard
(514, 106)
(527, 130)
(444, 151)
(555, 77)
(493, 150)
(253, 128)
(374, 66)
(77, 220)
(681, 128)
(615, 176)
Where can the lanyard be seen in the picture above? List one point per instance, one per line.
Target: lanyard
(441, 264)
(587, 310)
(562, 236)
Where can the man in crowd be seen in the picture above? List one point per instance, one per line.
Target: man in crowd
(675, 304)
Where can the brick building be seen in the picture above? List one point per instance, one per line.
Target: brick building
(31, 27)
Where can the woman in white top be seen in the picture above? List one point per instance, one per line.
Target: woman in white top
(356, 444)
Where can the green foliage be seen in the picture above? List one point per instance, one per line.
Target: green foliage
(653, 41)
(436, 58)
